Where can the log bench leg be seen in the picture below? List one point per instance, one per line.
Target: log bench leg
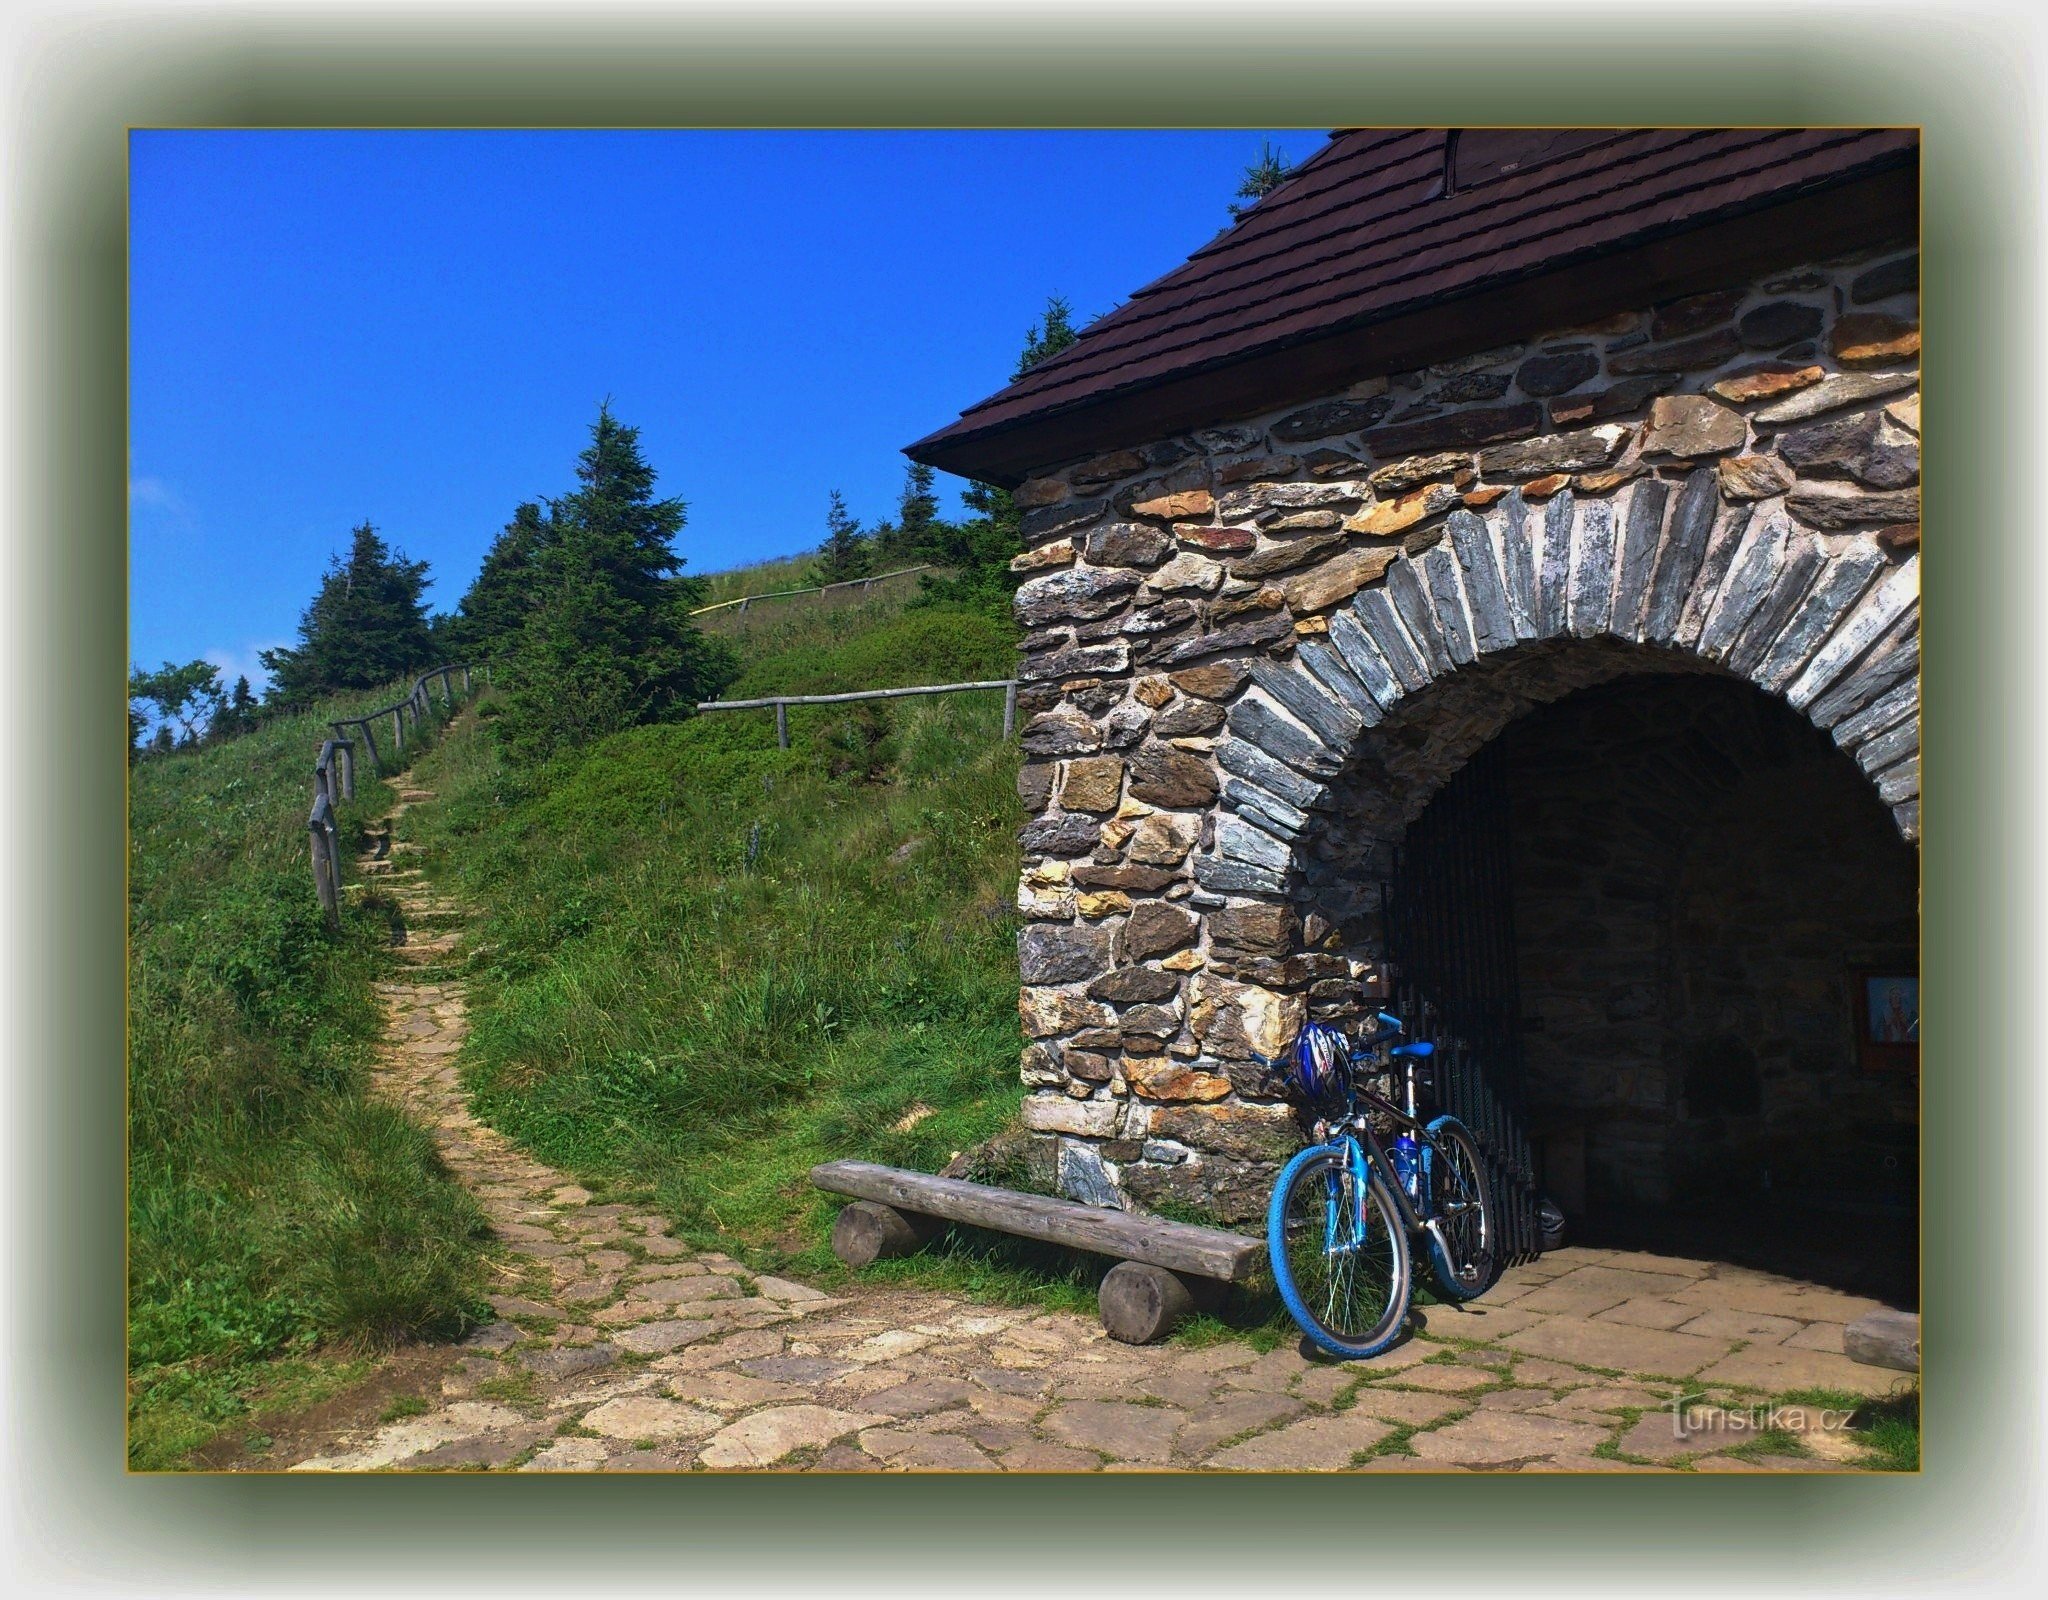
(1141, 1304)
(868, 1231)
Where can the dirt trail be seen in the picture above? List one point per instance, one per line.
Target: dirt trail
(620, 1348)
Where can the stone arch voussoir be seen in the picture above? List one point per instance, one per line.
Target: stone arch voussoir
(1533, 600)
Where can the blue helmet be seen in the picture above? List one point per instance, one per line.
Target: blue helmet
(1322, 1064)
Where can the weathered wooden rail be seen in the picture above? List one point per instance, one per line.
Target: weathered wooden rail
(334, 772)
(782, 702)
(1164, 1269)
(862, 584)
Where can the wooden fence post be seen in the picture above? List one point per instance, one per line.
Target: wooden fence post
(348, 770)
(465, 680)
(398, 729)
(1010, 711)
(324, 878)
(782, 724)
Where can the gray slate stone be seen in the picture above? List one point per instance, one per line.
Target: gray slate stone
(1832, 507)
(1900, 276)
(1892, 746)
(1331, 417)
(1252, 635)
(1239, 838)
(1248, 761)
(1892, 658)
(1084, 1178)
(1899, 783)
(1440, 569)
(1896, 595)
(1362, 659)
(1684, 551)
(1725, 540)
(1084, 661)
(1803, 563)
(1336, 725)
(1258, 722)
(1553, 574)
(1236, 877)
(1834, 392)
(1048, 522)
(1329, 668)
(1070, 835)
(1642, 531)
(1265, 808)
(1492, 627)
(1549, 374)
(1518, 562)
(1866, 446)
(1592, 568)
(1077, 593)
(1839, 588)
(1894, 705)
(1380, 626)
(1754, 570)
(1411, 600)
(1047, 953)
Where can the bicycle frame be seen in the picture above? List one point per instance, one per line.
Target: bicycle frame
(1365, 1150)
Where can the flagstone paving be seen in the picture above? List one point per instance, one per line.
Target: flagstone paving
(620, 1348)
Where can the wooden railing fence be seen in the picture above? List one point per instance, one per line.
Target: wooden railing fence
(334, 772)
(782, 702)
(863, 584)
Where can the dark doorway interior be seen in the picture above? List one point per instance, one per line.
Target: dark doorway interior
(1698, 892)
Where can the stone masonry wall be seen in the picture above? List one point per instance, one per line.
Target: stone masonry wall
(1252, 653)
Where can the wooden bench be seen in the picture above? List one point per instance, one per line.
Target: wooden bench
(1164, 1270)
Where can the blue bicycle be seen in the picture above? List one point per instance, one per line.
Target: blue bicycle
(1346, 1208)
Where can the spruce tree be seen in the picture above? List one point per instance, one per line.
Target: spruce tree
(1261, 178)
(917, 517)
(367, 625)
(606, 640)
(846, 553)
(495, 608)
(237, 715)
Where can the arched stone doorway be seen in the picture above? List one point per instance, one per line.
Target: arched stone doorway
(1651, 907)
(1259, 797)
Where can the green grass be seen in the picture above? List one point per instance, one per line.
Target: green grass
(280, 1222)
(701, 963)
(1887, 1428)
(762, 577)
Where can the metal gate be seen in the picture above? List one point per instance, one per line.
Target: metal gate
(1451, 939)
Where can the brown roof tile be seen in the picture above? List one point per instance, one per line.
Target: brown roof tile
(1364, 232)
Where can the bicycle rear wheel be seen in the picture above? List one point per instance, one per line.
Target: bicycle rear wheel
(1461, 1198)
(1339, 1255)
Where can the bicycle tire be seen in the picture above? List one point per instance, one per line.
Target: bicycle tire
(1468, 1285)
(1302, 1198)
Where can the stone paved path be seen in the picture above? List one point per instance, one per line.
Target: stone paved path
(620, 1348)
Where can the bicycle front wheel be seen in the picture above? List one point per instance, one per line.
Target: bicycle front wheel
(1339, 1255)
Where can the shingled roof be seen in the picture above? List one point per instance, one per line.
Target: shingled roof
(1392, 247)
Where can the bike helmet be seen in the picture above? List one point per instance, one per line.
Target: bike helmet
(1322, 1064)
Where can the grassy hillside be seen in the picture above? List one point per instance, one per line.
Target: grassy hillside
(703, 963)
(280, 1223)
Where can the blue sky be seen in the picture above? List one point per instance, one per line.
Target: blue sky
(417, 329)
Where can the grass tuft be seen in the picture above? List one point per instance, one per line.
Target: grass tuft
(280, 1221)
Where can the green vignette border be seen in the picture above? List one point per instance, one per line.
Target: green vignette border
(290, 68)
